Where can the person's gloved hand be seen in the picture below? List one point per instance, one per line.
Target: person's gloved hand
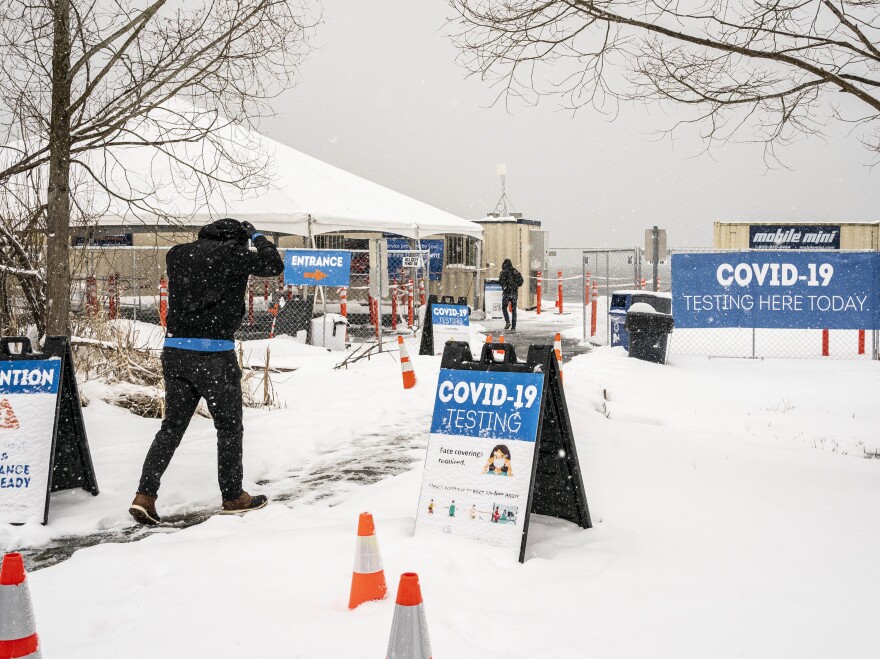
(249, 229)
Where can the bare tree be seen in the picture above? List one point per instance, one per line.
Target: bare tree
(770, 70)
(83, 82)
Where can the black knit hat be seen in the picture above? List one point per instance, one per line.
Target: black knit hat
(224, 230)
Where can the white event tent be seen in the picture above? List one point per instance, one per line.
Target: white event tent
(300, 195)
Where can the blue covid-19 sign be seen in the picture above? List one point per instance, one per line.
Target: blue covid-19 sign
(781, 290)
(488, 404)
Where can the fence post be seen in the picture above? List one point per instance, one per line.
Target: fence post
(595, 309)
(163, 301)
(422, 297)
(559, 290)
(394, 293)
(343, 309)
(825, 342)
(538, 294)
(411, 288)
(112, 300)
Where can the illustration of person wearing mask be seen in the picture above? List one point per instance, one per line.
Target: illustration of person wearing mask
(452, 509)
(431, 507)
(499, 462)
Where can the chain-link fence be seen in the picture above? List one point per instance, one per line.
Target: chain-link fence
(589, 278)
(379, 304)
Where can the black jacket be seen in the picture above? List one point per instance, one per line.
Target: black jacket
(510, 279)
(207, 280)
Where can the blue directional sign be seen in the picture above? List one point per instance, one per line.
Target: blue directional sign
(317, 267)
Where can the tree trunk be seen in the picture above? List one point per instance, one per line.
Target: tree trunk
(58, 198)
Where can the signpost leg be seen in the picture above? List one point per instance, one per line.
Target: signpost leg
(861, 342)
(825, 342)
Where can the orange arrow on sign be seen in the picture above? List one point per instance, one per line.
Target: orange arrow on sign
(317, 275)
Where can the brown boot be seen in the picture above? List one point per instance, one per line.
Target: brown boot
(244, 504)
(143, 509)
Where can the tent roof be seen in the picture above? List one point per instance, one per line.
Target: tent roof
(300, 193)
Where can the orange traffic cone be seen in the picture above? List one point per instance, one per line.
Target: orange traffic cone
(7, 415)
(18, 627)
(409, 630)
(499, 354)
(409, 375)
(557, 348)
(368, 577)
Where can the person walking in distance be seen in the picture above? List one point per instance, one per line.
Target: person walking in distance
(510, 280)
(207, 280)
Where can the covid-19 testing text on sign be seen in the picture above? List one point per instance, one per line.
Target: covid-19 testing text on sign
(781, 290)
(449, 322)
(317, 267)
(481, 453)
(28, 395)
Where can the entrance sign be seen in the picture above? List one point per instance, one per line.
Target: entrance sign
(43, 445)
(777, 290)
(500, 448)
(449, 322)
(317, 267)
(794, 236)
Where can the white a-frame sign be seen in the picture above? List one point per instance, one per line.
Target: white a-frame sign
(43, 444)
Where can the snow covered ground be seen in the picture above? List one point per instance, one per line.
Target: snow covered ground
(734, 512)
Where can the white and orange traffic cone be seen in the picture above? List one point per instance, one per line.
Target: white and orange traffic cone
(557, 348)
(499, 354)
(406, 367)
(368, 576)
(409, 630)
(18, 627)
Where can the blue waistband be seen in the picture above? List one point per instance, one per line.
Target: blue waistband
(200, 345)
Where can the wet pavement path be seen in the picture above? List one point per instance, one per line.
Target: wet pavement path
(369, 458)
(536, 332)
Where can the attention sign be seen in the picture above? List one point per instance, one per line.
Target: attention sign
(317, 267)
(28, 391)
(43, 447)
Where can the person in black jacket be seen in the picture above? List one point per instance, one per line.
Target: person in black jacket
(510, 280)
(207, 280)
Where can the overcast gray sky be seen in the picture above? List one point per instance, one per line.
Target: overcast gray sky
(382, 97)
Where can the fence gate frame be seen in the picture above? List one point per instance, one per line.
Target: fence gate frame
(635, 254)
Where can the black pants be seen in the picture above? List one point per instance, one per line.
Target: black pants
(511, 300)
(190, 376)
